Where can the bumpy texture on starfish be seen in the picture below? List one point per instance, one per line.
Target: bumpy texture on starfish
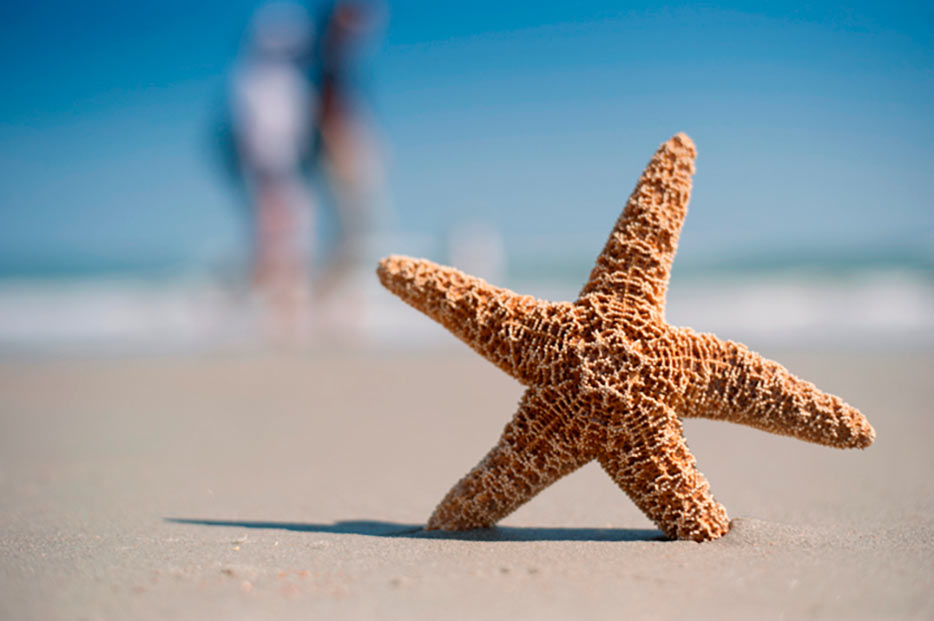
(608, 379)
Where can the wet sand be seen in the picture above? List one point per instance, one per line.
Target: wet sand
(294, 486)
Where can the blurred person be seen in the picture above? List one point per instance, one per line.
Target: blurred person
(344, 148)
(272, 103)
(294, 115)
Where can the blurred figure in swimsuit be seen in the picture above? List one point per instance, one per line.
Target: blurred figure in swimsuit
(272, 110)
(294, 118)
(344, 148)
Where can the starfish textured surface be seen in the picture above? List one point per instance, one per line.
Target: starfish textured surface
(609, 380)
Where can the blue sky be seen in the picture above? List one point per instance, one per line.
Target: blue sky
(815, 125)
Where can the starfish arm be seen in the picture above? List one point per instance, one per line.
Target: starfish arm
(730, 382)
(650, 461)
(636, 262)
(492, 320)
(531, 455)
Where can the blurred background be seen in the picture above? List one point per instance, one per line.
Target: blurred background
(136, 215)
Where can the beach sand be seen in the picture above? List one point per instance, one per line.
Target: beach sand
(294, 486)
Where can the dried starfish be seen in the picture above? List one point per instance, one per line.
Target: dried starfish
(608, 378)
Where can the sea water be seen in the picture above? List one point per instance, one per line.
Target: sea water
(847, 303)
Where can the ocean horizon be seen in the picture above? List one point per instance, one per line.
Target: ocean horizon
(829, 300)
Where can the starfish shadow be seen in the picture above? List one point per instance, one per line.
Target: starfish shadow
(374, 528)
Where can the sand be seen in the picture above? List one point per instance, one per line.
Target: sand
(294, 486)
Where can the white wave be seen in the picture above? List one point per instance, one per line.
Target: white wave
(869, 310)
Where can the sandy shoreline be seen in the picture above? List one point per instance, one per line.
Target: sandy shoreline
(293, 486)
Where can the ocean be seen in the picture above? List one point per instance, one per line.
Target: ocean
(792, 300)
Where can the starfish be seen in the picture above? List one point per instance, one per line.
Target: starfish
(609, 379)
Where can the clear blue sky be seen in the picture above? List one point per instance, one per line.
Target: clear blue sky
(815, 125)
